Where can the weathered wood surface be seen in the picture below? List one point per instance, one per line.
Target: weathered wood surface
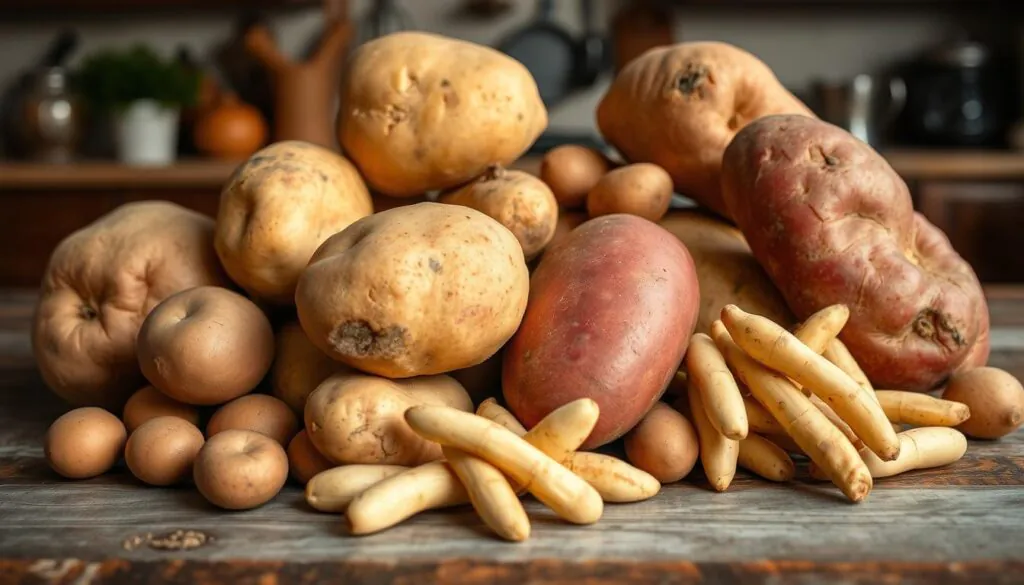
(960, 524)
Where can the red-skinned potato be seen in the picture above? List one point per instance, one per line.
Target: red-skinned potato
(832, 223)
(610, 315)
(679, 106)
(99, 285)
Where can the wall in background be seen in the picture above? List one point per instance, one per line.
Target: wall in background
(800, 46)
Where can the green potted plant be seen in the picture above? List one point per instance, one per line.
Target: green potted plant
(143, 94)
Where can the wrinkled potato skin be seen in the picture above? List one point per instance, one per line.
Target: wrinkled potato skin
(831, 222)
(299, 367)
(278, 207)
(726, 269)
(421, 112)
(517, 200)
(610, 316)
(100, 284)
(417, 290)
(679, 106)
(642, 189)
(354, 418)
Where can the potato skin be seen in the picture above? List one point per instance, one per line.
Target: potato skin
(831, 222)
(84, 442)
(663, 444)
(517, 200)
(679, 106)
(162, 450)
(101, 282)
(416, 290)
(256, 412)
(995, 398)
(727, 271)
(149, 403)
(420, 112)
(239, 470)
(610, 316)
(298, 366)
(304, 461)
(278, 207)
(571, 171)
(642, 189)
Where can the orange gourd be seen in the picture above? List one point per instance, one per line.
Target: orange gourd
(231, 129)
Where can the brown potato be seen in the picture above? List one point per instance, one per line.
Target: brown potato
(149, 403)
(278, 207)
(415, 290)
(162, 450)
(571, 171)
(239, 470)
(483, 380)
(256, 412)
(354, 418)
(298, 366)
(642, 189)
(567, 221)
(517, 200)
(420, 112)
(101, 282)
(84, 442)
(304, 461)
(995, 398)
(205, 346)
(663, 444)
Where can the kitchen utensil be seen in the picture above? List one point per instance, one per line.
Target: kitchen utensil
(640, 26)
(50, 118)
(865, 105)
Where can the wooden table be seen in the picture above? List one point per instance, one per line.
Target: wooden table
(964, 523)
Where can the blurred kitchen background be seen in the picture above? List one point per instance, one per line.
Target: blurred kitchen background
(936, 85)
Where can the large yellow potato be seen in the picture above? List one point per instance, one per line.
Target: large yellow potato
(421, 112)
(278, 207)
(416, 290)
(100, 284)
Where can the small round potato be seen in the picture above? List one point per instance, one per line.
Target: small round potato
(84, 442)
(298, 367)
(162, 450)
(304, 461)
(239, 470)
(256, 412)
(995, 398)
(571, 171)
(149, 403)
(206, 345)
(642, 189)
(663, 444)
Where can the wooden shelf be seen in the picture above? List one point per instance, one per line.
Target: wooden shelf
(18, 9)
(957, 165)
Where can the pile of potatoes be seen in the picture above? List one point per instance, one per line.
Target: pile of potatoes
(363, 352)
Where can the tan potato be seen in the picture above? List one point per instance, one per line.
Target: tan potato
(708, 374)
(571, 171)
(760, 420)
(663, 444)
(304, 461)
(492, 496)
(149, 403)
(517, 200)
(420, 112)
(765, 458)
(642, 189)
(332, 490)
(205, 346)
(299, 367)
(718, 453)
(922, 410)
(840, 355)
(357, 418)
(277, 209)
(239, 470)
(162, 450)
(99, 285)
(84, 442)
(994, 397)
(256, 412)
(415, 290)
(726, 270)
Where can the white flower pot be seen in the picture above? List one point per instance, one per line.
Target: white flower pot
(147, 133)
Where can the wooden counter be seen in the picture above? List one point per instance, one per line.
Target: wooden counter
(960, 524)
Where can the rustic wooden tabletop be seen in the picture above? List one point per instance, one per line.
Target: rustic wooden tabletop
(960, 524)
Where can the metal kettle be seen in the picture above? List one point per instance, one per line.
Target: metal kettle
(865, 106)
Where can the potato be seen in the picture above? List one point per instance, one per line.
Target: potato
(517, 200)
(610, 315)
(100, 283)
(726, 269)
(571, 171)
(205, 345)
(642, 189)
(832, 223)
(995, 398)
(416, 290)
(239, 470)
(162, 450)
(256, 412)
(298, 366)
(84, 442)
(278, 207)
(355, 418)
(149, 403)
(483, 380)
(679, 106)
(664, 444)
(567, 221)
(304, 461)
(420, 112)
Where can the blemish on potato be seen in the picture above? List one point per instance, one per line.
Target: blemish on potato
(693, 80)
(358, 339)
(435, 265)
